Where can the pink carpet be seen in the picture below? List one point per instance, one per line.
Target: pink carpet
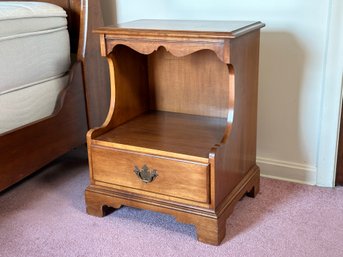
(45, 216)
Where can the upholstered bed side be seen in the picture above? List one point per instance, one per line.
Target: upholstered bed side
(28, 148)
(34, 63)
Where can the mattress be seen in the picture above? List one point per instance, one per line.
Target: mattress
(34, 60)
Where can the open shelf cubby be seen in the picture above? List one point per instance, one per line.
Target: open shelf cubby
(178, 111)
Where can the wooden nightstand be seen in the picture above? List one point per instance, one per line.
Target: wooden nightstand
(180, 135)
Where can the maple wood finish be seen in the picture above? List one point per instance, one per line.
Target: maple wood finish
(180, 135)
(30, 147)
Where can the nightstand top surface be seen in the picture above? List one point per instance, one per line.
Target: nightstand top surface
(221, 29)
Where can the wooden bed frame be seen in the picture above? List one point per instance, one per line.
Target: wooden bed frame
(83, 103)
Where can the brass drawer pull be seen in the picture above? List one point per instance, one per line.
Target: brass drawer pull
(145, 174)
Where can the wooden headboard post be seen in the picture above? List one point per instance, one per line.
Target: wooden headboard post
(96, 69)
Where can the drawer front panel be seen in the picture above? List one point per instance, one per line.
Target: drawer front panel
(175, 178)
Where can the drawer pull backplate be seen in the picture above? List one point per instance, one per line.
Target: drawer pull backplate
(145, 174)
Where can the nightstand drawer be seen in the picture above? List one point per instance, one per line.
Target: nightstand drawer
(151, 174)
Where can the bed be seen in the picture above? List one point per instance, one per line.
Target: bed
(50, 92)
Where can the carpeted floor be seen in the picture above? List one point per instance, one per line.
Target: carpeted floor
(45, 216)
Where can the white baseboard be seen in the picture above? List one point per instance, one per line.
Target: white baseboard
(288, 171)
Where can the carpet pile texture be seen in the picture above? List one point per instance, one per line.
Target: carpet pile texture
(45, 216)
